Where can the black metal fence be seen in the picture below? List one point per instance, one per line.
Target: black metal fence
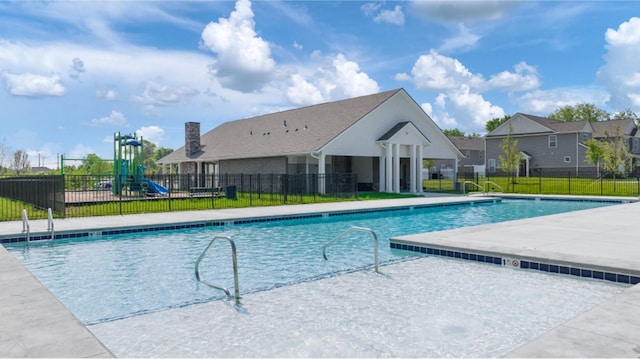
(594, 183)
(88, 195)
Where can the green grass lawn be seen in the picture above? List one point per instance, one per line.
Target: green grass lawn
(628, 187)
(12, 210)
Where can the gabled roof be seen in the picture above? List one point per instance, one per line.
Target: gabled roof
(602, 128)
(543, 126)
(393, 131)
(468, 143)
(296, 131)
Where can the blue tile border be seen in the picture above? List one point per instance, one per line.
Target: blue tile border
(540, 266)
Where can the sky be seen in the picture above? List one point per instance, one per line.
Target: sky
(73, 73)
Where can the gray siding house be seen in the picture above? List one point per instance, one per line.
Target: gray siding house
(383, 138)
(472, 148)
(550, 145)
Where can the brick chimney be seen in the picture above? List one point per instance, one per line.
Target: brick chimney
(191, 138)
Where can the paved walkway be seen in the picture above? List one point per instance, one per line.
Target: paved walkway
(36, 324)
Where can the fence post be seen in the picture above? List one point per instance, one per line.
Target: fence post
(250, 191)
(569, 178)
(539, 180)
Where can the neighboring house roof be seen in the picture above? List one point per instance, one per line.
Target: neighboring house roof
(296, 131)
(468, 143)
(602, 128)
(534, 125)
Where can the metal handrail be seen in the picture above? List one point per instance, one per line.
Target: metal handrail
(464, 188)
(50, 224)
(354, 228)
(235, 268)
(495, 184)
(25, 224)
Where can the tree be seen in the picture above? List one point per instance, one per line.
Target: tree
(616, 156)
(626, 115)
(495, 122)
(20, 162)
(595, 152)
(453, 132)
(510, 157)
(4, 154)
(93, 164)
(581, 111)
(151, 155)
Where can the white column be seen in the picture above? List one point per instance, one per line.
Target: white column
(321, 174)
(419, 162)
(381, 173)
(396, 168)
(412, 169)
(389, 167)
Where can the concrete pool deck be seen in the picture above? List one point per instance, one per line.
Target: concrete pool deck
(36, 324)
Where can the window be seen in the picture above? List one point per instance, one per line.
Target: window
(492, 165)
(585, 137)
(553, 141)
(635, 143)
(468, 153)
(567, 159)
(481, 155)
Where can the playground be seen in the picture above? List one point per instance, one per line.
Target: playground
(128, 178)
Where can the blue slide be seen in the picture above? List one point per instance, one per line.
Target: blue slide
(156, 188)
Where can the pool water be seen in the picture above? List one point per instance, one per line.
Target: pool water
(425, 307)
(120, 276)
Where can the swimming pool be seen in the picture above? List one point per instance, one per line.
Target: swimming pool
(120, 276)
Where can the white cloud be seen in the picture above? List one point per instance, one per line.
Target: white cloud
(156, 94)
(437, 112)
(628, 33)
(525, 78)
(545, 102)
(115, 118)
(244, 59)
(438, 72)
(106, 93)
(467, 105)
(336, 78)
(32, 85)
(302, 93)
(460, 101)
(394, 17)
(465, 40)
(152, 134)
(621, 71)
(462, 11)
(369, 9)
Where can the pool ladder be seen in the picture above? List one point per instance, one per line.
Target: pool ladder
(361, 229)
(235, 268)
(483, 188)
(26, 227)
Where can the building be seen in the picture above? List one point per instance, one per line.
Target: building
(556, 146)
(383, 138)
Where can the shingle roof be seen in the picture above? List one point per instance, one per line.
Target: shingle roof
(601, 128)
(558, 126)
(301, 130)
(468, 143)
